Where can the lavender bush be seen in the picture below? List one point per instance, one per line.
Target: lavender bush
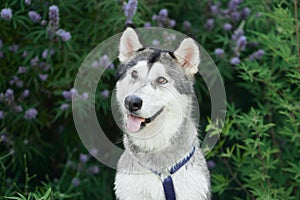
(42, 44)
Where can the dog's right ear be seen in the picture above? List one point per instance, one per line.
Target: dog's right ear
(129, 44)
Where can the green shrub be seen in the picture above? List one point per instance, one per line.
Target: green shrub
(255, 45)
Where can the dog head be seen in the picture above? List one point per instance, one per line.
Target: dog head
(155, 87)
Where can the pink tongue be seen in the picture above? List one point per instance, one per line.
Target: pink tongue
(134, 123)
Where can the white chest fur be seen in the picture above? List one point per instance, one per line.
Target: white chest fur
(190, 182)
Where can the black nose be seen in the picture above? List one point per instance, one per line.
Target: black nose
(133, 103)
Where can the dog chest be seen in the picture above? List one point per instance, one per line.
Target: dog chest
(189, 183)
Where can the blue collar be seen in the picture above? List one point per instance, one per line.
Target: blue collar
(167, 181)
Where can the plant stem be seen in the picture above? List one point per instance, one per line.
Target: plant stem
(236, 179)
(297, 32)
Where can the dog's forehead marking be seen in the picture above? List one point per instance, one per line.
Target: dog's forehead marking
(166, 59)
(154, 57)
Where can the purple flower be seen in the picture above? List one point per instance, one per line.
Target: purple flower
(85, 96)
(95, 64)
(64, 106)
(227, 27)
(34, 61)
(1, 54)
(241, 42)
(14, 80)
(67, 95)
(104, 61)
(155, 42)
(105, 93)
(22, 70)
(209, 24)
(211, 164)
(237, 34)
(18, 108)
(64, 35)
(9, 95)
(27, 2)
(43, 77)
(130, 10)
(75, 182)
(44, 66)
(219, 52)
(257, 55)
(19, 83)
(83, 158)
(25, 53)
(74, 92)
(234, 4)
(43, 22)
(4, 137)
(111, 66)
(235, 61)
(154, 17)
(25, 93)
(53, 18)
(235, 16)
(94, 169)
(1, 116)
(30, 114)
(46, 53)
(172, 23)
(147, 25)
(186, 25)
(34, 16)
(245, 13)
(214, 9)
(6, 14)
(225, 12)
(163, 13)
(13, 48)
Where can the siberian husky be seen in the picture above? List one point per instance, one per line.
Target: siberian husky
(162, 159)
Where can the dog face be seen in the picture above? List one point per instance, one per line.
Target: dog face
(155, 86)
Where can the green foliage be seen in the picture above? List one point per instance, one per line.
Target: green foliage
(261, 150)
(257, 156)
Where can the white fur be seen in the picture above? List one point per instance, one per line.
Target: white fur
(137, 182)
(128, 45)
(188, 55)
(153, 100)
(189, 184)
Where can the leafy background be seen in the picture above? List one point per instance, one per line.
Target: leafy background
(255, 45)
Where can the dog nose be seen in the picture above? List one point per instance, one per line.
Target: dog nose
(133, 103)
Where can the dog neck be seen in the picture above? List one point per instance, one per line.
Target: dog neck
(177, 147)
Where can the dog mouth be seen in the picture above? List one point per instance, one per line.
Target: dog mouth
(135, 123)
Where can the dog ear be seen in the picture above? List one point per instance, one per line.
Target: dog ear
(188, 56)
(129, 44)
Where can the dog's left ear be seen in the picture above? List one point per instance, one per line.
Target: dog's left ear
(188, 56)
(129, 44)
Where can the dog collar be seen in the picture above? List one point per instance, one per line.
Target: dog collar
(166, 177)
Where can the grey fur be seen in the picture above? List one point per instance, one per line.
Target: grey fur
(137, 160)
(183, 84)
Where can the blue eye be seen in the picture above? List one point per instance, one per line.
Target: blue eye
(161, 80)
